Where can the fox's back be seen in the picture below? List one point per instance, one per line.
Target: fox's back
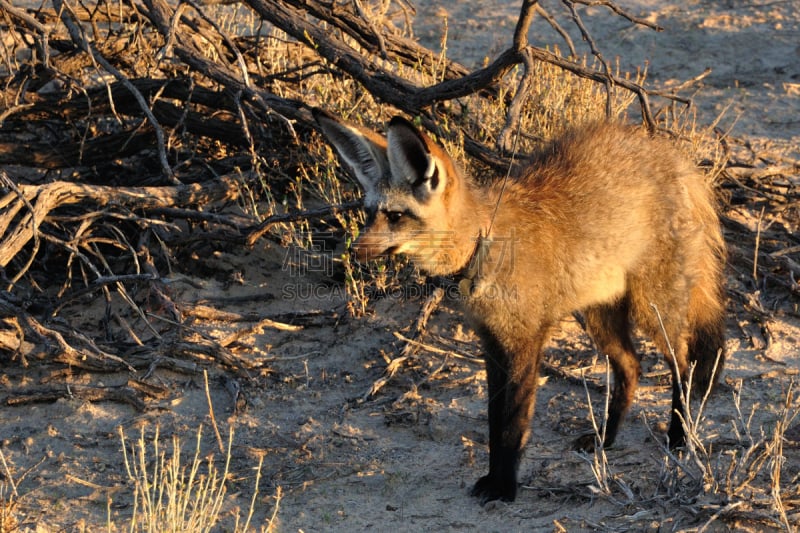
(603, 204)
(608, 183)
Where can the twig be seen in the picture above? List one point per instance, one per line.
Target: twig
(211, 413)
(254, 499)
(388, 373)
(755, 248)
(431, 304)
(372, 27)
(433, 349)
(621, 12)
(410, 348)
(206, 312)
(723, 510)
(599, 461)
(271, 523)
(542, 12)
(609, 79)
(263, 323)
(206, 348)
(8, 474)
(513, 117)
(230, 44)
(256, 232)
(591, 74)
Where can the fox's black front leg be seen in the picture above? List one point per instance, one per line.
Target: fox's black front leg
(512, 380)
(501, 481)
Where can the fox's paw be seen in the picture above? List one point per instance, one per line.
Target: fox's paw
(489, 488)
(585, 443)
(676, 437)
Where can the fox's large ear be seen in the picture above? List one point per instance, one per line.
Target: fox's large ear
(410, 158)
(365, 152)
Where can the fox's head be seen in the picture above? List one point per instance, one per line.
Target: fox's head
(417, 201)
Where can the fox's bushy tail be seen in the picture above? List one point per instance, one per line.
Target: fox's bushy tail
(707, 298)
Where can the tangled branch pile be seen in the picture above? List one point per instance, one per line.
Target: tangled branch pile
(134, 133)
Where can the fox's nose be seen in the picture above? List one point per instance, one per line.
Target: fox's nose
(369, 247)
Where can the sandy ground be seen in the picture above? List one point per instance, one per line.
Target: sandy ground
(405, 458)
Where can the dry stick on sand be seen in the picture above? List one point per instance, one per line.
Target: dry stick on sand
(433, 349)
(412, 345)
(122, 393)
(211, 413)
(255, 328)
(82, 352)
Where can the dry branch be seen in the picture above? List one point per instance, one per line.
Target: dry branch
(374, 39)
(185, 48)
(412, 345)
(40, 201)
(77, 35)
(70, 347)
(123, 394)
(404, 95)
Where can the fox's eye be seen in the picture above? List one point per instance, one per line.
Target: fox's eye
(394, 216)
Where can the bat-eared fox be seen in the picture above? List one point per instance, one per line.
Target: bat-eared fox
(605, 220)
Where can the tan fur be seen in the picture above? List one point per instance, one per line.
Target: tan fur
(604, 220)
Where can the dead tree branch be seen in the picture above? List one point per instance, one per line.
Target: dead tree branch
(78, 37)
(40, 201)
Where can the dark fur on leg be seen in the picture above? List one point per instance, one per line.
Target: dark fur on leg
(707, 352)
(513, 380)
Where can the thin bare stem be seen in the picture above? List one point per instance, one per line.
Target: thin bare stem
(211, 413)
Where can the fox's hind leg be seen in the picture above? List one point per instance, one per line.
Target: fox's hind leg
(666, 323)
(679, 366)
(610, 328)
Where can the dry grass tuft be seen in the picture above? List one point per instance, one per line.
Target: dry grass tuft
(8, 499)
(743, 478)
(171, 495)
(731, 480)
(8, 516)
